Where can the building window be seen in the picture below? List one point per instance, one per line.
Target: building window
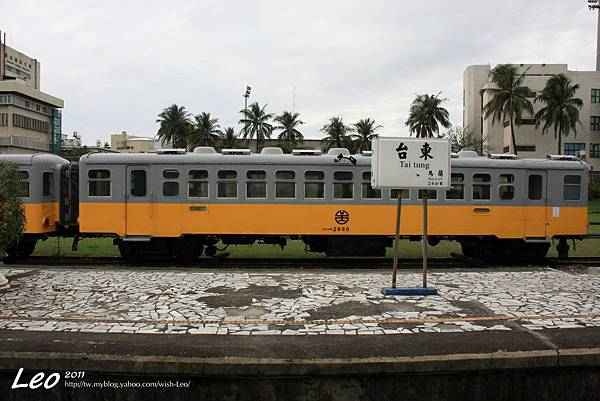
(228, 187)
(138, 183)
(572, 187)
(285, 187)
(24, 177)
(29, 123)
(525, 148)
(99, 183)
(595, 95)
(342, 189)
(481, 186)
(595, 150)
(457, 186)
(573, 148)
(506, 123)
(535, 187)
(595, 123)
(506, 189)
(314, 187)
(3, 119)
(367, 191)
(527, 121)
(256, 187)
(198, 184)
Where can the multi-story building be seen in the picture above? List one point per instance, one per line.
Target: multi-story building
(30, 120)
(127, 143)
(531, 142)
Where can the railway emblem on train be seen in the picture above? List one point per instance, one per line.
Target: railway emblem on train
(342, 217)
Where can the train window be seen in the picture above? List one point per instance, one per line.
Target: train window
(285, 175)
(227, 189)
(394, 193)
(457, 186)
(256, 189)
(47, 184)
(572, 187)
(170, 188)
(431, 193)
(506, 189)
(481, 186)
(170, 174)
(256, 175)
(535, 187)
(227, 174)
(138, 183)
(99, 184)
(367, 191)
(285, 189)
(99, 174)
(343, 190)
(314, 188)
(314, 175)
(24, 176)
(198, 184)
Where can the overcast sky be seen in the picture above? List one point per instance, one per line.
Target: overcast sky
(117, 64)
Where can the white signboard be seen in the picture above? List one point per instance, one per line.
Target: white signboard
(410, 163)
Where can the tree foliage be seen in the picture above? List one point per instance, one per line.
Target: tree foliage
(462, 138)
(12, 217)
(175, 126)
(365, 133)
(288, 125)
(509, 98)
(426, 115)
(228, 139)
(337, 134)
(205, 131)
(255, 121)
(561, 110)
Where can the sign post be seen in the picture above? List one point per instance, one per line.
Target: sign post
(419, 163)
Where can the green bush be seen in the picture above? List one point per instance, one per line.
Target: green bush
(12, 217)
(594, 191)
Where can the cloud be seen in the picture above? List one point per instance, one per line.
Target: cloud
(118, 64)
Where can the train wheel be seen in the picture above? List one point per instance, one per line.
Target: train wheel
(127, 251)
(210, 251)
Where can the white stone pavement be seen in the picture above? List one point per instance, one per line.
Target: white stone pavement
(295, 303)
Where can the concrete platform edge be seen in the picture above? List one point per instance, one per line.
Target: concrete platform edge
(236, 366)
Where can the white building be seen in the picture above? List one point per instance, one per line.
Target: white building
(530, 142)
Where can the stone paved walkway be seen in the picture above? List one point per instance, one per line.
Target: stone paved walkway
(295, 303)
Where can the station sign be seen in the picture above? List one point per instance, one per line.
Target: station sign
(403, 162)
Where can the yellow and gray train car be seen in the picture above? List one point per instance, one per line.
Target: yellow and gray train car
(41, 183)
(182, 204)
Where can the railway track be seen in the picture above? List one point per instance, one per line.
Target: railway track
(457, 262)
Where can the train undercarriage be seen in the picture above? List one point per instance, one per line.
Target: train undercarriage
(190, 247)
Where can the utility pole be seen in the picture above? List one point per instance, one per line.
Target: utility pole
(595, 5)
(246, 96)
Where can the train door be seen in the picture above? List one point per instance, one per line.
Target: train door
(535, 204)
(138, 202)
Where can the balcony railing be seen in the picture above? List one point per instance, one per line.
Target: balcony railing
(24, 143)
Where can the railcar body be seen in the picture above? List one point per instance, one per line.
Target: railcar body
(177, 204)
(40, 175)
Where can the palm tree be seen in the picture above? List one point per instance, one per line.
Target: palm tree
(174, 126)
(228, 139)
(256, 124)
(288, 123)
(337, 134)
(426, 115)
(365, 133)
(205, 132)
(509, 98)
(561, 112)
